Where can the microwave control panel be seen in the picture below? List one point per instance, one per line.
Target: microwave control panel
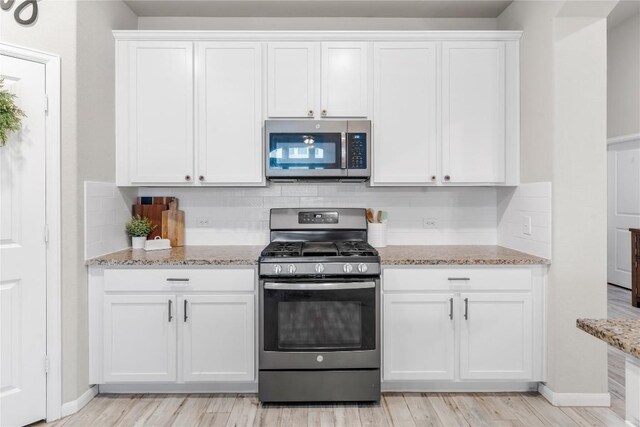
(357, 151)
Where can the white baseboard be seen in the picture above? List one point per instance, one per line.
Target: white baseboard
(457, 386)
(222, 387)
(74, 406)
(574, 399)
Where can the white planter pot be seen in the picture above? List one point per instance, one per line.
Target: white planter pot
(138, 242)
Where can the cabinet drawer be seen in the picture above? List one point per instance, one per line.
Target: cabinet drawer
(447, 279)
(177, 280)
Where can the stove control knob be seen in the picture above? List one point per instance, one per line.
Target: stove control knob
(347, 268)
(277, 268)
(362, 268)
(319, 268)
(292, 268)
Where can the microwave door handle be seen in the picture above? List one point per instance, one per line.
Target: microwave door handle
(343, 150)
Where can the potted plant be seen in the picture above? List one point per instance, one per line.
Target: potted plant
(10, 115)
(139, 228)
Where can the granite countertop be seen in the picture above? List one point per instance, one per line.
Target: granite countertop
(391, 255)
(185, 255)
(623, 334)
(456, 255)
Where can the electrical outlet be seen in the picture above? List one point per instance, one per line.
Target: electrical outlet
(429, 223)
(204, 222)
(526, 225)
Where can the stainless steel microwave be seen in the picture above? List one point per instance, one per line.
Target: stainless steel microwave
(305, 150)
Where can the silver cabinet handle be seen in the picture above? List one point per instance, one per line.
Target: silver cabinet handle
(310, 113)
(451, 308)
(343, 150)
(458, 279)
(185, 311)
(324, 112)
(318, 286)
(201, 178)
(170, 310)
(177, 279)
(187, 177)
(433, 177)
(447, 178)
(466, 308)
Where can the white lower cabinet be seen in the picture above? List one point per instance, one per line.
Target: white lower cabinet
(449, 324)
(172, 325)
(496, 336)
(419, 337)
(139, 338)
(218, 339)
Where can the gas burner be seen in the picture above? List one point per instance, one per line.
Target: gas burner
(356, 248)
(282, 249)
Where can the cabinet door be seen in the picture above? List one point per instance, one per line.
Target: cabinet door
(344, 79)
(160, 112)
(418, 337)
(139, 338)
(473, 112)
(291, 79)
(229, 87)
(404, 107)
(218, 340)
(496, 336)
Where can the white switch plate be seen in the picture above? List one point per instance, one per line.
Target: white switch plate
(203, 222)
(526, 225)
(429, 223)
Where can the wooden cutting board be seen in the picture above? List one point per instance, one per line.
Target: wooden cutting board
(173, 224)
(154, 213)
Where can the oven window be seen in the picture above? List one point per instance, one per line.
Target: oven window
(326, 320)
(319, 324)
(304, 151)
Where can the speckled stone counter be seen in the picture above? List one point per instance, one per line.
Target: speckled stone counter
(456, 255)
(186, 255)
(623, 334)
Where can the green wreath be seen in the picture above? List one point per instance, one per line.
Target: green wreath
(10, 115)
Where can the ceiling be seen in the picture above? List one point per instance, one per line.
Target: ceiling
(321, 8)
(623, 11)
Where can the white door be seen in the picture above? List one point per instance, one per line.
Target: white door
(291, 79)
(229, 87)
(418, 337)
(344, 79)
(218, 338)
(140, 338)
(23, 290)
(404, 107)
(160, 112)
(473, 112)
(496, 337)
(623, 209)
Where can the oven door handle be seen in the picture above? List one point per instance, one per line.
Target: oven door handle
(318, 286)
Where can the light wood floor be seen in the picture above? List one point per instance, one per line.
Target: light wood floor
(619, 306)
(395, 409)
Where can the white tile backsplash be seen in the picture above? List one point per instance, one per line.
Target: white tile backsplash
(107, 209)
(241, 215)
(514, 204)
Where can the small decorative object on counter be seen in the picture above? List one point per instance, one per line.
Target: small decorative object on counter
(139, 228)
(377, 231)
(157, 244)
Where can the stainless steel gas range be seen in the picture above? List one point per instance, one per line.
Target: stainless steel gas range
(319, 308)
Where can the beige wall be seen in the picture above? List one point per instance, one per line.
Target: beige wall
(192, 23)
(563, 88)
(80, 33)
(623, 54)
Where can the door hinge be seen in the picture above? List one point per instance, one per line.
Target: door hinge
(46, 233)
(46, 364)
(46, 103)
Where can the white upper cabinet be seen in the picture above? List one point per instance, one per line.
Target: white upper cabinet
(315, 80)
(344, 79)
(404, 110)
(229, 90)
(155, 102)
(473, 112)
(291, 77)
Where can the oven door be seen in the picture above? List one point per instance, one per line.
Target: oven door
(319, 324)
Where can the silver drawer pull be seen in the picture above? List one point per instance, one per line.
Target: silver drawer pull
(459, 279)
(318, 286)
(177, 279)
